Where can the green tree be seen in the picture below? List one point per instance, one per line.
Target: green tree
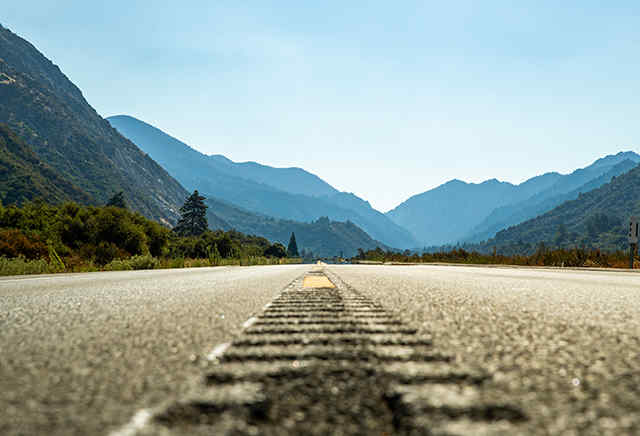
(193, 220)
(276, 250)
(561, 235)
(117, 200)
(292, 248)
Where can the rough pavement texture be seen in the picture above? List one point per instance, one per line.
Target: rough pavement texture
(389, 350)
(79, 354)
(323, 359)
(563, 346)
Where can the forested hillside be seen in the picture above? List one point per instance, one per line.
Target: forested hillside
(595, 219)
(23, 176)
(458, 211)
(325, 238)
(285, 193)
(50, 114)
(567, 188)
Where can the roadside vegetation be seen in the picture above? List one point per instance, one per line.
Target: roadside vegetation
(41, 238)
(543, 256)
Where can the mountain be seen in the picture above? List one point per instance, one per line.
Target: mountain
(324, 237)
(23, 176)
(597, 218)
(43, 107)
(446, 213)
(513, 214)
(284, 193)
(459, 211)
(156, 142)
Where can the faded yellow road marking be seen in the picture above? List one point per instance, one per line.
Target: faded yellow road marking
(317, 282)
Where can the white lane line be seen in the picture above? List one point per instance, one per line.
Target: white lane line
(138, 422)
(218, 351)
(248, 323)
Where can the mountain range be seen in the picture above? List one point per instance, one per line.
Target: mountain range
(54, 146)
(285, 193)
(457, 211)
(597, 219)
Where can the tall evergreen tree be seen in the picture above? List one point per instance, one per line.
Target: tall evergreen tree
(117, 200)
(193, 221)
(292, 248)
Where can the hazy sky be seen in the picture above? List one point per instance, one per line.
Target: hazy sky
(384, 99)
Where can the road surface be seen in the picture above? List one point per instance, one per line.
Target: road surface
(364, 349)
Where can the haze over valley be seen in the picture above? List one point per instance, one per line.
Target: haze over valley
(52, 133)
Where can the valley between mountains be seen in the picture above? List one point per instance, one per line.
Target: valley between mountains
(55, 147)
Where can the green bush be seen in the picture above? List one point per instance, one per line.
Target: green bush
(20, 265)
(143, 262)
(118, 265)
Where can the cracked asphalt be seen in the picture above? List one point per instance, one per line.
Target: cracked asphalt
(392, 349)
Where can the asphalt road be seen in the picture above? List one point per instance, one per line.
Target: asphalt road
(562, 345)
(80, 353)
(451, 349)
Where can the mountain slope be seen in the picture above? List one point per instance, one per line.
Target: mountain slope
(49, 112)
(506, 216)
(251, 186)
(596, 218)
(450, 211)
(459, 211)
(324, 237)
(23, 176)
(157, 143)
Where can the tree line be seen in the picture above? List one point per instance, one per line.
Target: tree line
(543, 256)
(76, 236)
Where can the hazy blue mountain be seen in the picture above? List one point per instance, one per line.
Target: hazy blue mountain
(597, 218)
(458, 211)
(293, 180)
(49, 113)
(450, 211)
(324, 237)
(283, 193)
(507, 216)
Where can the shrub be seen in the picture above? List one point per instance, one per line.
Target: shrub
(118, 265)
(106, 252)
(20, 265)
(143, 262)
(14, 243)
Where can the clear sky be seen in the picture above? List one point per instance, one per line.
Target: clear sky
(384, 99)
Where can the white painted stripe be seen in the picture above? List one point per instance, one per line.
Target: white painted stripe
(248, 323)
(218, 351)
(138, 422)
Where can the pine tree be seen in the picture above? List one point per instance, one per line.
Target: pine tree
(292, 248)
(193, 221)
(117, 200)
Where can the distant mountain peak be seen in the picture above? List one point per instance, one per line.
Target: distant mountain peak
(613, 159)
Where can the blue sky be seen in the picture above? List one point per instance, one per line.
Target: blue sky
(383, 99)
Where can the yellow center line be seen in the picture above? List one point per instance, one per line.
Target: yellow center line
(317, 282)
